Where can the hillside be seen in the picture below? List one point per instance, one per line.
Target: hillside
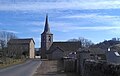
(106, 44)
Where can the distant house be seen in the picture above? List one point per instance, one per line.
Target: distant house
(37, 51)
(58, 50)
(18, 47)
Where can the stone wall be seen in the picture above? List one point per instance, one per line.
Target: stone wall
(17, 50)
(100, 69)
(31, 50)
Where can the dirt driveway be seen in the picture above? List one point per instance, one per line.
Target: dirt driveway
(52, 68)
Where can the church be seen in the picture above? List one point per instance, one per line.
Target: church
(55, 50)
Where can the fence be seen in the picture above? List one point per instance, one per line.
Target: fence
(70, 65)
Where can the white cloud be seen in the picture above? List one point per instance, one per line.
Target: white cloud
(30, 23)
(98, 28)
(10, 31)
(109, 23)
(44, 6)
(36, 30)
(93, 15)
(36, 23)
(80, 16)
(67, 27)
(107, 20)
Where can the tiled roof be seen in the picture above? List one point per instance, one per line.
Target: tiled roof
(64, 46)
(20, 41)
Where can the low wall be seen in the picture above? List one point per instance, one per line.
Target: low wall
(101, 69)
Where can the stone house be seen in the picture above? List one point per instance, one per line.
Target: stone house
(19, 47)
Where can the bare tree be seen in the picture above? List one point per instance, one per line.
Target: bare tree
(85, 42)
(5, 37)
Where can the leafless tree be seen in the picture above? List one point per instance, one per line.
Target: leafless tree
(5, 37)
(85, 42)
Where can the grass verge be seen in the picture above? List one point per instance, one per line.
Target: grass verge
(10, 62)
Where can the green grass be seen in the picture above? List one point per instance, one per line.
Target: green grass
(10, 62)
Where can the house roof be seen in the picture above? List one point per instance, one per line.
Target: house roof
(92, 50)
(115, 48)
(20, 41)
(64, 46)
(97, 51)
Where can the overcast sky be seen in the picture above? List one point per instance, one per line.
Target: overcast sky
(96, 20)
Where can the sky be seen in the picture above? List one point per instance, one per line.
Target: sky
(96, 20)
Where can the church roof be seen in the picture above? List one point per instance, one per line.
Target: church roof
(47, 28)
(64, 46)
(20, 41)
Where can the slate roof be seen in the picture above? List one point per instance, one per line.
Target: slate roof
(93, 50)
(64, 46)
(46, 28)
(115, 48)
(97, 51)
(20, 41)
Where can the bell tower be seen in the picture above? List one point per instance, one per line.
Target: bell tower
(46, 39)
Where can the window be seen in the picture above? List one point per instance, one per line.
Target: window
(50, 38)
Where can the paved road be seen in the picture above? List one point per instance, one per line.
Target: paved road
(26, 69)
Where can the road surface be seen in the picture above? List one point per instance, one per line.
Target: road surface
(26, 69)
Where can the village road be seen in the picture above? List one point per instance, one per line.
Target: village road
(26, 69)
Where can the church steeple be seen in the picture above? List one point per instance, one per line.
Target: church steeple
(46, 29)
(46, 39)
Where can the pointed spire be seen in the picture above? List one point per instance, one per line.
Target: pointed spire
(46, 29)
